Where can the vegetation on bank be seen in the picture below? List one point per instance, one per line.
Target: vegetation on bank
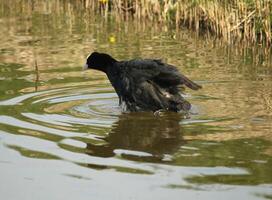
(232, 20)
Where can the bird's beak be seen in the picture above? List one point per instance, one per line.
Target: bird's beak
(85, 67)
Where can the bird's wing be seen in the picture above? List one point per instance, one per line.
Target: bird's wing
(162, 74)
(143, 95)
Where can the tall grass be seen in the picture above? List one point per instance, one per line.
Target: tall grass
(247, 21)
(40, 18)
(232, 20)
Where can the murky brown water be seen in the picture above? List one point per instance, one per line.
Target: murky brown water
(63, 136)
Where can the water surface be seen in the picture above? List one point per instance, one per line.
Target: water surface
(63, 135)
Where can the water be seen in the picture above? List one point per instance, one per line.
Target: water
(63, 136)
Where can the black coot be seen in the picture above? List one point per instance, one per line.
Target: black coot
(144, 84)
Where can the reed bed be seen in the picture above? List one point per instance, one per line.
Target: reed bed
(246, 21)
(231, 20)
(46, 17)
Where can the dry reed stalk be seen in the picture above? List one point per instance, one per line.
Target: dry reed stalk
(233, 21)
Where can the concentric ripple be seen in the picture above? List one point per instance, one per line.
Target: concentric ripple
(79, 123)
(67, 107)
(75, 119)
(69, 139)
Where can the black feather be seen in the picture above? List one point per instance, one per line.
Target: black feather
(144, 84)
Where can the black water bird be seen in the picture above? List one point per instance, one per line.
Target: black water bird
(144, 84)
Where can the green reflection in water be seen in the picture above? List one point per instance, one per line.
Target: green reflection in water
(11, 80)
(248, 154)
(117, 169)
(33, 154)
(230, 126)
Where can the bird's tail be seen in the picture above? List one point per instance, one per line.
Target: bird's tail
(190, 84)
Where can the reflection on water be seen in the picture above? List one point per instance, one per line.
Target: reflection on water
(142, 132)
(58, 123)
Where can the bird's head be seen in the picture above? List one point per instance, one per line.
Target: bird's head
(99, 61)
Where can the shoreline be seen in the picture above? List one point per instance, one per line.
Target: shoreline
(233, 21)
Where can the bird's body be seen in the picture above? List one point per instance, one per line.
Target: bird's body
(144, 84)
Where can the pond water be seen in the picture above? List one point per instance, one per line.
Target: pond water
(63, 136)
